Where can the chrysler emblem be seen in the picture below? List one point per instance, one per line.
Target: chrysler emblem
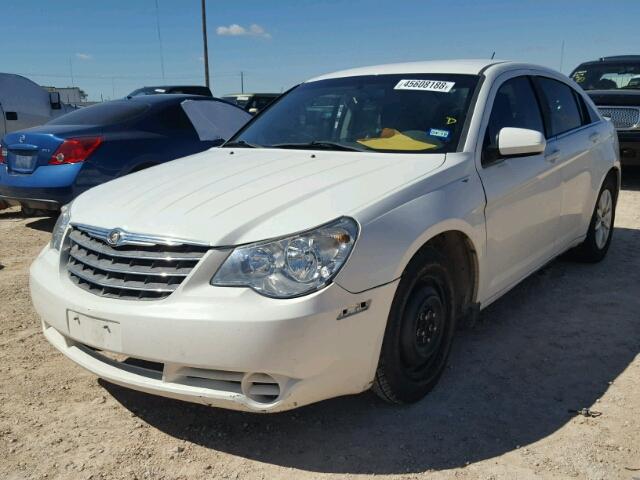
(22, 138)
(114, 237)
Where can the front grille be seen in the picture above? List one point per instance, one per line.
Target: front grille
(146, 271)
(623, 118)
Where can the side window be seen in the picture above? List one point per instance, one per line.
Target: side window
(559, 102)
(515, 106)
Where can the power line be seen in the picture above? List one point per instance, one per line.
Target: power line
(71, 70)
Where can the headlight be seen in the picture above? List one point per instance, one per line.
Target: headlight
(61, 227)
(292, 266)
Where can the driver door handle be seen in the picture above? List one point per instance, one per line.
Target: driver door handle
(552, 156)
(594, 137)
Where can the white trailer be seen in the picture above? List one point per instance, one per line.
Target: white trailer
(24, 104)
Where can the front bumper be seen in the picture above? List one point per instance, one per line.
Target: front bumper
(217, 346)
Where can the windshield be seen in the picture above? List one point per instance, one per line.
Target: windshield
(608, 76)
(392, 113)
(241, 101)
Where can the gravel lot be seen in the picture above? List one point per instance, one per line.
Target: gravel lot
(567, 338)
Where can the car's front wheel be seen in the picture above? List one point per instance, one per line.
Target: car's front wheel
(419, 331)
(595, 246)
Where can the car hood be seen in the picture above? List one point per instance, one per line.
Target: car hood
(615, 97)
(230, 197)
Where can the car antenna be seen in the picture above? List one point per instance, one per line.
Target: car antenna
(493, 55)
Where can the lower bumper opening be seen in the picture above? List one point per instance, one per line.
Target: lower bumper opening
(261, 388)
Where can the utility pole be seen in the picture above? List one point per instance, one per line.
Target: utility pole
(160, 40)
(241, 82)
(206, 47)
(71, 70)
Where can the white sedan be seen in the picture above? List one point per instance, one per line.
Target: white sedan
(335, 243)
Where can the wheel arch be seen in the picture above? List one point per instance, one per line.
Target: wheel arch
(616, 173)
(462, 256)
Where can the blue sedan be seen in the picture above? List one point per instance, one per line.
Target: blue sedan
(47, 166)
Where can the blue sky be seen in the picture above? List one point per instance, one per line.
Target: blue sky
(112, 46)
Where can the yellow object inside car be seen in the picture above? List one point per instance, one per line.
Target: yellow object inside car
(392, 139)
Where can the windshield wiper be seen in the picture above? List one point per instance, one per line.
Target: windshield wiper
(242, 144)
(318, 145)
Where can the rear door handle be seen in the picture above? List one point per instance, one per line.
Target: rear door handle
(552, 156)
(594, 137)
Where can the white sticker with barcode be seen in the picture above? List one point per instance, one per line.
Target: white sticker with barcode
(425, 85)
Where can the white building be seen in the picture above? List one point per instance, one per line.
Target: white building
(69, 95)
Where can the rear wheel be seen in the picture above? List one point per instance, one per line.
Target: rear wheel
(419, 331)
(595, 246)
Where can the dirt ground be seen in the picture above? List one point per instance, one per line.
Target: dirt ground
(567, 338)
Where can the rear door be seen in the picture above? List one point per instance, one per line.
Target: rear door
(573, 144)
(523, 193)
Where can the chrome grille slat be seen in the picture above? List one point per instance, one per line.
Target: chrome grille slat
(623, 118)
(132, 271)
(85, 241)
(95, 262)
(103, 281)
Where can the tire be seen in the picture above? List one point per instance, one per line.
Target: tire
(419, 331)
(28, 212)
(595, 246)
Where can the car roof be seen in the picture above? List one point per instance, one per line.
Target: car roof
(468, 67)
(168, 98)
(170, 86)
(613, 59)
(251, 94)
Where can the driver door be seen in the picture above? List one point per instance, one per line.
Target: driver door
(523, 193)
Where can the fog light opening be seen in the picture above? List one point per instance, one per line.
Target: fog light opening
(261, 387)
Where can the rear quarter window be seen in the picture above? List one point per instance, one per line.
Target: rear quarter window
(173, 118)
(103, 114)
(560, 106)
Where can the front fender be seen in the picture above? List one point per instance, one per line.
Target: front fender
(389, 241)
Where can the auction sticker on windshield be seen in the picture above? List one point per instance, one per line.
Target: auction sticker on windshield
(425, 85)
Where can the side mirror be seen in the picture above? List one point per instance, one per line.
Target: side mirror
(54, 99)
(520, 141)
(253, 111)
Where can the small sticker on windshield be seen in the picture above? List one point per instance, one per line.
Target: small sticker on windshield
(425, 85)
(435, 132)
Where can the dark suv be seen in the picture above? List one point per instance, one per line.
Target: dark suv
(613, 83)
